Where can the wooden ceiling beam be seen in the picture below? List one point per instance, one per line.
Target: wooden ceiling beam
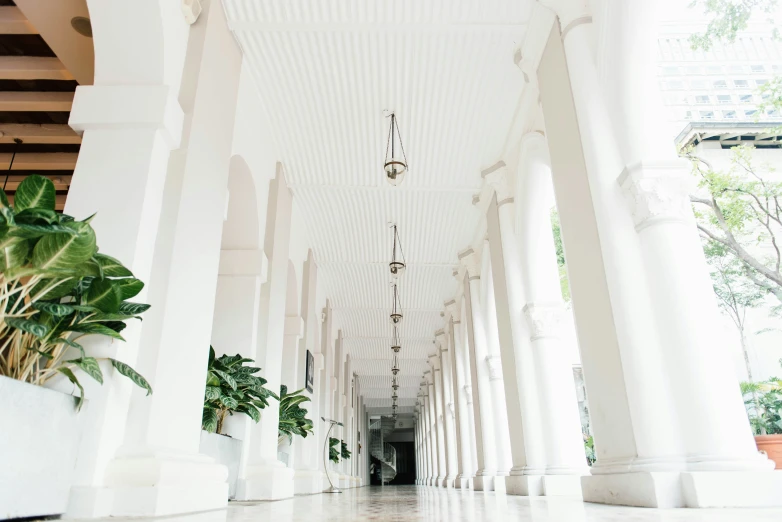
(40, 161)
(13, 21)
(61, 181)
(20, 101)
(35, 133)
(32, 68)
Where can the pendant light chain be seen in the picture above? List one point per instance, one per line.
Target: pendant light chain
(17, 142)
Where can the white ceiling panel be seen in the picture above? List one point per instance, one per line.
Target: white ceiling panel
(326, 72)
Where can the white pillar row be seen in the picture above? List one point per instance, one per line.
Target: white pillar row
(347, 414)
(494, 362)
(687, 442)
(467, 389)
(449, 408)
(158, 469)
(417, 421)
(424, 443)
(464, 436)
(439, 417)
(324, 387)
(434, 450)
(481, 380)
(292, 334)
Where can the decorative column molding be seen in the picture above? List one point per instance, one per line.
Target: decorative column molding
(571, 13)
(468, 393)
(494, 363)
(495, 179)
(658, 192)
(470, 259)
(544, 319)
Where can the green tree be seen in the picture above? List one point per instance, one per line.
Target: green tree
(740, 209)
(560, 251)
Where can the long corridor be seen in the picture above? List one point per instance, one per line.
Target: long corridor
(427, 503)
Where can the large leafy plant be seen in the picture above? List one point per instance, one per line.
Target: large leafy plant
(764, 406)
(232, 388)
(333, 451)
(345, 453)
(55, 288)
(293, 418)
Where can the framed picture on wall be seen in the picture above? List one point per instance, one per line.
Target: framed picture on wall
(310, 376)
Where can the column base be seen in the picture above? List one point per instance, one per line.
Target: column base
(152, 485)
(544, 485)
(449, 482)
(696, 489)
(268, 481)
(344, 482)
(483, 482)
(307, 481)
(462, 482)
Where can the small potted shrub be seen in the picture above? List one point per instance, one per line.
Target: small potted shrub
(293, 418)
(764, 405)
(231, 387)
(55, 288)
(334, 453)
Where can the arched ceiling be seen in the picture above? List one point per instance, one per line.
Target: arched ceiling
(326, 71)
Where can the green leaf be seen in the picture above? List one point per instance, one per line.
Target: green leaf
(71, 377)
(133, 308)
(13, 252)
(112, 267)
(72, 344)
(209, 420)
(27, 325)
(31, 231)
(42, 354)
(65, 250)
(94, 329)
(37, 216)
(5, 208)
(251, 412)
(90, 366)
(131, 374)
(229, 402)
(212, 393)
(105, 295)
(129, 287)
(52, 289)
(55, 309)
(230, 381)
(35, 192)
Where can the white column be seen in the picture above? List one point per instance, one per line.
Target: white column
(449, 410)
(660, 296)
(481, 383)
(439, 409)
(431, 471)
(437, 461)
(494, 362)
(464, 436)
(158, 470)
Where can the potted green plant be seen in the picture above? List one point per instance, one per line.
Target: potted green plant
(293, 420)
(231, 387)
(333, 451)
(763, 401)
(344, 453)
(55, 288)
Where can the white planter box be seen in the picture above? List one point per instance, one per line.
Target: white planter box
(225, 450)
(40, 431)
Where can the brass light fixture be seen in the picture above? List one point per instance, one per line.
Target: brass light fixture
(396, 311)
(395, 165)
(397, 264)
(395, 345)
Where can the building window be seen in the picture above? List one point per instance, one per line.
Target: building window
(698, 84)
(724, 99)
(693, 69)
(706, 115)
(773, 113)
(761, 82)
(674, 85)
(729, 115)
(750, 113)
(737, 69)
(714, 69)
(745, 98)
(758, 69)
(741, 84)
(671, 71)
(702, 99)
(720, 84)
(688, 115)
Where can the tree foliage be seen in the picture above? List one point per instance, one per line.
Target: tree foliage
(560, 252)
(727, 18)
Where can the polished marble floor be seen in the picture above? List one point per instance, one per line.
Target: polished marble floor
(426, 503)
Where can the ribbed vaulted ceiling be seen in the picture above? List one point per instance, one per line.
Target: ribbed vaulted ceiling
(326, 72)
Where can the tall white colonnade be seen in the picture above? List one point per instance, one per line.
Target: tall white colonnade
(209, 220)
(669, 426)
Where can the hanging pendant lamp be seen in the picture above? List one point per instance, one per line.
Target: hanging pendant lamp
(395, 367)
(395, 345)
(396, 311)
(397, 264)
(395, 165)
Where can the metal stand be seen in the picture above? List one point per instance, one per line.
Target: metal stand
(333, 488)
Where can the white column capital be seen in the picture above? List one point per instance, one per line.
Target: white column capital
(495, 367)
(543, 319)
(496, 180)
(534, 141)
(442, 338)
(470, 259)
(658, 192)
(454, 308)
(128, 106)
(468, 393)
(570, 13)
(451, 409)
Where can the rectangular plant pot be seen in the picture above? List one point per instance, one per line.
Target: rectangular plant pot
(40, 431)
(225, 450)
